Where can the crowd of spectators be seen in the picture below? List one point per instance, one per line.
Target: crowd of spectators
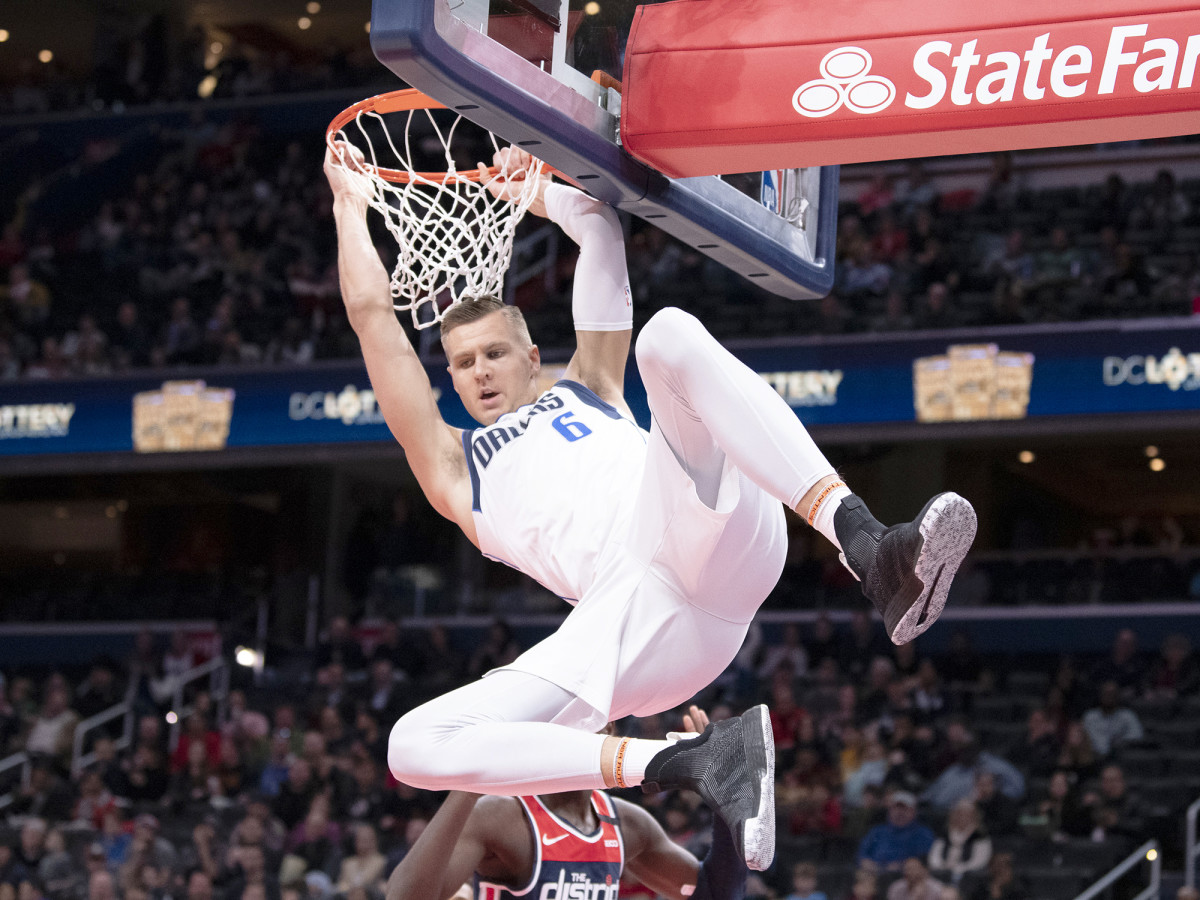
(219, 250)
(910, 256)
(897, 776)
(153, 67)
(219, 254)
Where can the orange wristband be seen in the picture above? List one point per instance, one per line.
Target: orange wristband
(829, 488)
(619, 763)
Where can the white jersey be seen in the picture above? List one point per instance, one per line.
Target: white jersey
(552, 483)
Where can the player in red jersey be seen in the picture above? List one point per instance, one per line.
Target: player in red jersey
(568, 846)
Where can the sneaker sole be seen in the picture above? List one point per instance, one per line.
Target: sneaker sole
(758, 832)
(947, 526)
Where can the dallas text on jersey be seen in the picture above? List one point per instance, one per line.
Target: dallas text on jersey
(488, 441)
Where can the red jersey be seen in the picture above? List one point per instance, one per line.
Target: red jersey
(568, 865)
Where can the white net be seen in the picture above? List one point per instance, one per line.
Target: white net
(455, 238)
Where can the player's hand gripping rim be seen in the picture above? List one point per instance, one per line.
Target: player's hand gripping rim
(510, 182)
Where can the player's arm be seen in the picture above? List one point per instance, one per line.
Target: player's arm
(429, 871)
(601, 302)
(398, 378)
(653, 858)
(670, 870)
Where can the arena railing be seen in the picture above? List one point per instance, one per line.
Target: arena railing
(12, 762)
(1148, 851)
(217, 671)
(1190, 848)
(81, 760)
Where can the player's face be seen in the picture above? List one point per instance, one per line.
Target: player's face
(493, 370)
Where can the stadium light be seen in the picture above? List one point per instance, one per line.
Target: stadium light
(45, 55)
(1026, 456)
(172, 717)
(305, 23)
(248, 658)
(1157, 464)
(3, 35)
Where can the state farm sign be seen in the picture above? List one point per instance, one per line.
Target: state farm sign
(1064, 72)
(1062, 76)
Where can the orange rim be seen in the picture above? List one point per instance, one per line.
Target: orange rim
(399, 101)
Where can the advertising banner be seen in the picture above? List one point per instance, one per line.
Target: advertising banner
(722, 88)
(208, 412)
(1000, 374)
(1012, 373)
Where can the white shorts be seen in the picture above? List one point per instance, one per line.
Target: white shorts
(672, 600)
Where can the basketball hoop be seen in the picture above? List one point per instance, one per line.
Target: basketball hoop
(455, 238)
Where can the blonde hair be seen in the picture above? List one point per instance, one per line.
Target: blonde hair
(472, 310)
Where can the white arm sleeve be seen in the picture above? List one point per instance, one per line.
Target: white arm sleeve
(602, 300)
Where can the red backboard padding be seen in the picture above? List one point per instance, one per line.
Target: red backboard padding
(718, 86)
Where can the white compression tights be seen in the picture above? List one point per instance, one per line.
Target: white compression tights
(710, 405)
(510, 733)
(514, 733)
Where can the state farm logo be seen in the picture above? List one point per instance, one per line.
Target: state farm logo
(1084, 60)
(845, 81)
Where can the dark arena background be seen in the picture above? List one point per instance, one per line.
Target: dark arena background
(220, 585)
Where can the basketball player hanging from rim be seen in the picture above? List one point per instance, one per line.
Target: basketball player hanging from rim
(665, 542)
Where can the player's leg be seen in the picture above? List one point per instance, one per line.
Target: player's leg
(676, 640)
(709, 405)
(510, 733)
(514, 734)
(721, 544)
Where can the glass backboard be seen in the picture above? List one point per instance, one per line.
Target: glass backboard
(544, 74)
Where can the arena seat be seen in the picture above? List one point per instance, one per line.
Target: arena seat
(1092, 856)
(1146, 762)
(1055, 884)
(1181, 763)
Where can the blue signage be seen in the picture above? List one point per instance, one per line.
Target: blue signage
(1011, 373)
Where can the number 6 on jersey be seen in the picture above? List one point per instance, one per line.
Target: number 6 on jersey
(572, 431)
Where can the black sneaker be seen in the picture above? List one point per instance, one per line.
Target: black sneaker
(906, 570)
(732, 767)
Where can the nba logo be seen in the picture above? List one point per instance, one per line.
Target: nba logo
(782, 193)
(772, 180)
